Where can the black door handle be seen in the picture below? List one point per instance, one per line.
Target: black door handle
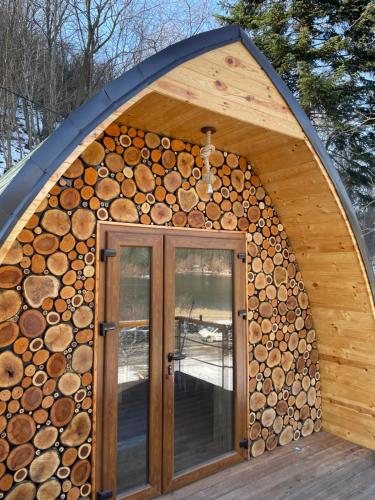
(178, 356)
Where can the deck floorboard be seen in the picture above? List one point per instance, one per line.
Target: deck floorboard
(321, 466)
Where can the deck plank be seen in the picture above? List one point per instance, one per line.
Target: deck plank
(321, 466)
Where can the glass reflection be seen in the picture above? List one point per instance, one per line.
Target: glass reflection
(204, 379)
(133, 368)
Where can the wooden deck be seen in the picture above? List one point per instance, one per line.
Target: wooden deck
(320, 466)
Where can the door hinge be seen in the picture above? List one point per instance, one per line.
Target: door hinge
(107, 252)
(244, 443)
(242, 256)
(104, 495)
(105, 327)
(242, 313)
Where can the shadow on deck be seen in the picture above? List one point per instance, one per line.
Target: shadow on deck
(321, 466)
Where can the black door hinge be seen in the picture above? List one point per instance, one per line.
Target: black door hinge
(242, 256)
(244, 443)
(105, 327)
(107, 252)
(242, 313)
(104, 495)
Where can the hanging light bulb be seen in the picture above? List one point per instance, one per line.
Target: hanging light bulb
(205, 152)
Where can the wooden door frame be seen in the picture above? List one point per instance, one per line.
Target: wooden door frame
(220, 241)
(101, 482)
(115, 239)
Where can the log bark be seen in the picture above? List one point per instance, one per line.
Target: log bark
(38, 288)
(123, 210)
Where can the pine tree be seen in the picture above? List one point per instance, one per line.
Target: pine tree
(325, 52)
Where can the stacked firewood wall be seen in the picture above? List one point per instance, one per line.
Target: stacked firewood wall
(47, 304)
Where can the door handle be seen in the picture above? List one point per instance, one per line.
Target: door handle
(178, 356)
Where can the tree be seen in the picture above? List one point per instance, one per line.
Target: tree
(55, 54)
(325, 52)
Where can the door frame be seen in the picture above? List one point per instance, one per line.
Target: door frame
(103, 478)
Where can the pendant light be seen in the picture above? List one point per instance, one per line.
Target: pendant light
(205, 152)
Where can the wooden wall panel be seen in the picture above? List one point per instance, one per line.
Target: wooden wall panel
(49, 297)
(335, 279)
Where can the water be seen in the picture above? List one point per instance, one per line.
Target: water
(207, 291)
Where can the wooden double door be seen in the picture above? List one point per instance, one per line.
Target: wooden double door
(172, 358)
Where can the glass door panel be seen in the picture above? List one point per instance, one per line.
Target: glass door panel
(133, 368)
(203, 379)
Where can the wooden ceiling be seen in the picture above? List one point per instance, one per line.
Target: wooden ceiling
(175, 118)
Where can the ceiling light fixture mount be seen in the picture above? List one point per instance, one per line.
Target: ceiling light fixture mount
(205, 152)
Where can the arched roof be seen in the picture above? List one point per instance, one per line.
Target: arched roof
(22, 183)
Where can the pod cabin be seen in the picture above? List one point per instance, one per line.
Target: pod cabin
(153, 332)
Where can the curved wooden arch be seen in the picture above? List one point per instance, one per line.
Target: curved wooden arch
(221, 78)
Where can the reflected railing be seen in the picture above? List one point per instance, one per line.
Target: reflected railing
(207, 344)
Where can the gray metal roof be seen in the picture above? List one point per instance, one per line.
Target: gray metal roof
(22, 184)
